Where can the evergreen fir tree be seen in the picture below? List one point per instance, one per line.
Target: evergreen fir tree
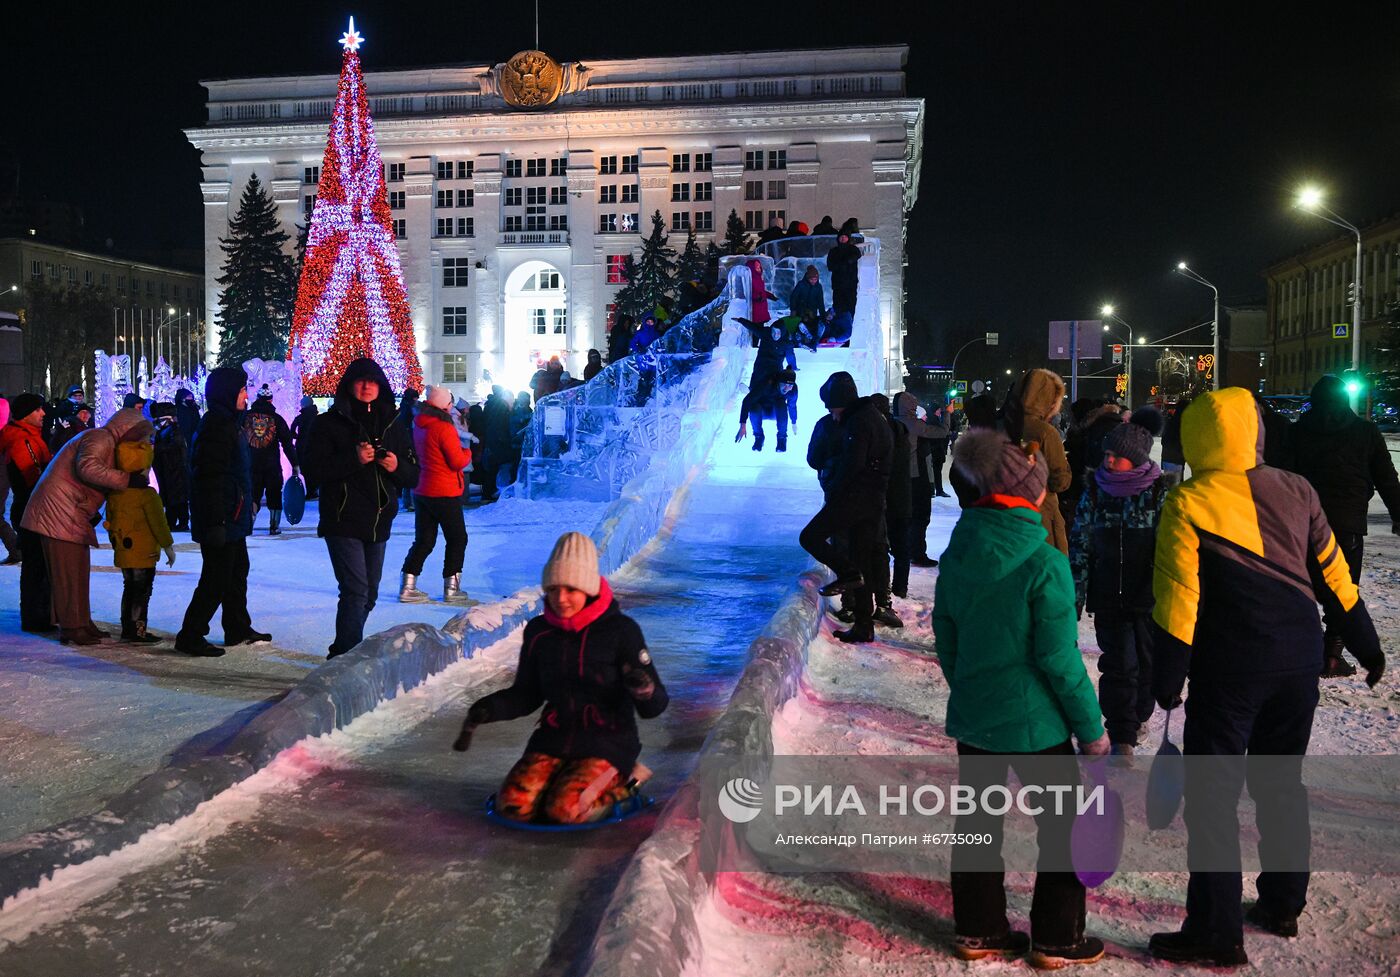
(258, 284)
(691, 266)
(736, 239)
(650, 277)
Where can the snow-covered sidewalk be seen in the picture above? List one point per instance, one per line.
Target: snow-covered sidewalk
(82, 724)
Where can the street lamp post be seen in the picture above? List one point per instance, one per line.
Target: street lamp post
(1310, 199)
(979, 339)
(1108, 313)
(1186, 272)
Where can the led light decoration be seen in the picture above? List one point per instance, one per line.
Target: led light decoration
(351, 300)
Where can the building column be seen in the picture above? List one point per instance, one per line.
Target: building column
(216, 195)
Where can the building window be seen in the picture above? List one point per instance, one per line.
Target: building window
(558, 196)
(107, 283)
(534, 196)
(548, 281)
(444, 227)
(312, 176)
(396, 172)
(558, 166)
(628, 223)
(753, 160)
(534, 167)
(308, 204)
(513, 168)
(704, 220)
(704, 191)
(36, 269)
(466, 169)
(534, 221)
(539, 321)
(680, 192)
(444, 198)
(513, 224)
(631, 164)
(680, 221)
(454, 368)
(396, 199)
(607, 165)
(778, 215)
(777, 189)
(466, 227)
(777, 159)
(680, 162)
(629, 193)
(753, 220)
(454, 272)
(607, 194)
(52, 269)
(400, 229)
(558, 222)
(121, 284)
(617, 269)
(444, 169)
(150, 287)
(561, 321)
(512, 197)
(607, 223)
(466, 198)
(753, 189)
(454, 320)
(704, 162)
(87, 277)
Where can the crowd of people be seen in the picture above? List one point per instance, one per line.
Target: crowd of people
(1214, 582)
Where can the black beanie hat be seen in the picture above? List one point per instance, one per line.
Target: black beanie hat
(22, 405)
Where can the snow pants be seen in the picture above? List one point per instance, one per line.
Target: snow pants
(548, 788)
(1227, 717)
(429, 515)
(1125, 670)
(978, 878)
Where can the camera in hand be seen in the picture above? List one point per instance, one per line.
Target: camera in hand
(380, 452)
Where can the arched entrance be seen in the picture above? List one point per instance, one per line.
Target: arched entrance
(536, 322)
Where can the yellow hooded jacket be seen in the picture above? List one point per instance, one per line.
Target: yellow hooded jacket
(135, 520)
(1244, 555)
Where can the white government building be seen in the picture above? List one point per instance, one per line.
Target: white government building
(518, 188)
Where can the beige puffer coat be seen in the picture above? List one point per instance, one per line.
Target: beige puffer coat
(76, 483)
(1039, 395)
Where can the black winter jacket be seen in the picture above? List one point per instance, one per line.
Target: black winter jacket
(824, 449)
(221, 485)
(590, 682)
(899, 495)
(358, 500)
(172, 459)
(265, 431)
(862, 471)
(843, 261)
(1347, 461)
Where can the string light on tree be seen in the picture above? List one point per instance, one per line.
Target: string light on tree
(351, 300)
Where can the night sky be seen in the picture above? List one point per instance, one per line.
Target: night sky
(1073, 152)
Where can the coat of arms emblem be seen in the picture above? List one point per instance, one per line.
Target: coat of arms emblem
(531, 79)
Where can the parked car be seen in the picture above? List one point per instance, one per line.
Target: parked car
(1291, 406)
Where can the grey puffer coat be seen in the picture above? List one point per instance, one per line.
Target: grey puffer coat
(75, 485)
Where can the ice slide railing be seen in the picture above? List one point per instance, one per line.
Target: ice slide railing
(589, 441)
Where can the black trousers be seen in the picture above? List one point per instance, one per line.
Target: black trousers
(1125, 670)
(921, 499)
(223, 582)
(430, 515)
(978, 878)
(137, 583)
(1353, 547)
(34, 595)
(936, 461)
(1226, 718)
(862, 536)
(268, 480)
(901, 548)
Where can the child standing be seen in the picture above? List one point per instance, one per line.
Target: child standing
(586, 662)
(138, 530)
(1111, 551)
(1005, 635)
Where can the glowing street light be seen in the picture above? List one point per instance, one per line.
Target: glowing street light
(1107, 311)
(1186, 272)
(1310, 199)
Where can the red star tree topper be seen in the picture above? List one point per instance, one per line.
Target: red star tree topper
(351, 300)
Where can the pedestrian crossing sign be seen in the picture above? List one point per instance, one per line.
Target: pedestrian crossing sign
(1341, 330)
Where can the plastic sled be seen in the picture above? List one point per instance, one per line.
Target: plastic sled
(293, 499)
(622, 810)
(1166, 783)
(1096, 841)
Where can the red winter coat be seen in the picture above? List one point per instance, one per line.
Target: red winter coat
(441, 457)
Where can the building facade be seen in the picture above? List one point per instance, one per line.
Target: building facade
(519, 189)
(1308, 294)
(156, 310)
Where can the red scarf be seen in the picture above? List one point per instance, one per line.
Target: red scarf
(996, 501)
(591, 611)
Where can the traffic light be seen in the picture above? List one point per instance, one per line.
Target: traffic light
(1355, 383)
(1351, 293)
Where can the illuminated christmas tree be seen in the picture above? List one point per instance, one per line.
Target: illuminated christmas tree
(351, 300)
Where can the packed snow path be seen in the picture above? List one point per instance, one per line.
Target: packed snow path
(366, 852)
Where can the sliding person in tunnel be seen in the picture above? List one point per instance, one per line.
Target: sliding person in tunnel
(587, 663)
(777, 398)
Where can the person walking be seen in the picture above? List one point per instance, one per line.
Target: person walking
(266, 432)
(1006, 639)
(63, 511)
(854, 506)
(441, 460)
(1244, 556)
(301, 436)
(587, 664)
(138, 532)
(495, 438)
(362, 458)
(943, 432)
(1112, 540)
(1030, 405)
(1346, 461)
(171, 465)
(221, 518)
(407, 403)
(26, 455)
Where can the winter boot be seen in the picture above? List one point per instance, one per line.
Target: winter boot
(884, 614)
(251, 638)
(856, 634)
(1121, 755)
(274, 522)
(12, 558)
(136, 603)
(452, 592)
(782, 442)
(1333, 664)
(1013, 944)
(1279, 924)
(78, 636)
(758, 441)
(1186, 947)
(409, 592)
(842, 584)
(923, 561)
(197, 647)
(1087, 950)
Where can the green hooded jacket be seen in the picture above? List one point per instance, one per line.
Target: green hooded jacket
(1005, 633)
